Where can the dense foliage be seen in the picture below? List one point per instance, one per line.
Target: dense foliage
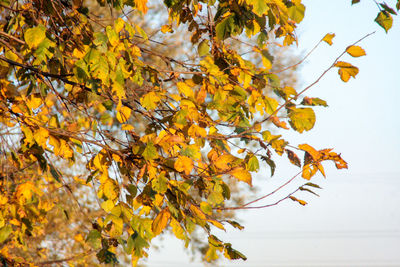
(102, 128)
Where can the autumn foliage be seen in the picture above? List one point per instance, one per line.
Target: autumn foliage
(100, 129)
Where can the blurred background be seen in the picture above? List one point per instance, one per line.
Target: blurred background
(356, 219)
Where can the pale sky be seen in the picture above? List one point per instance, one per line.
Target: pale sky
(356, 221)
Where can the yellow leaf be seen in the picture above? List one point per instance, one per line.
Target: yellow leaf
(197, 131)
(185, 89)
(123, 114)
(160, 222)
(346, 70)
(355, 51)
(328, 38)
(41, 136)
(217, 224)
(127, 127)
(34, 36)
(107, 205)
(141, 5)
(34, 102)
(24, 192)
(3, 200)
(78, 53)
(119, 25)
(309, 170)
(184, 164)
(177, 229)
(242, 175)
(110, 189)
(196, 211)
(242, 150)
(149, 101)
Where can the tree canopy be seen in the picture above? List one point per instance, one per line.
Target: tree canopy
(108, 135)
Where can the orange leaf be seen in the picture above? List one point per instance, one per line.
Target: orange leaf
(328, 38)
(184, 164)
(195, 210)
(141, 5)
(242, 175)
(161, 221)
(309, 170)
(279, 123)
(346, 70)
(302, 202)
(310, 150)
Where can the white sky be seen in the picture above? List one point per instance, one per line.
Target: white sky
(356, 221)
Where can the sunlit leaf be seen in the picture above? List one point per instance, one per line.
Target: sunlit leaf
(161, 221)
(34, 36)
(346, 70)
(301, 202)
(184, 164)
(385, 20)
(242, 175)
(301, 119)
(328, 38)
(355, 51)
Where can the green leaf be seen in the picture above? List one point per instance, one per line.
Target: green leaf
(233, 254)
(100, 69)
(206, 208)
(270, 104)
(253, 164)
(112, 35)
(34, 36)
(94, 239)
(130, 245)
(106, 256)
(159, 184)
(301, 119)
(132, 189)
(5, 232)
(203, 48)
(260, 7)
(55, 173)
(225, 28)
(385, 20)
(387, 8)
(235, 224)
(271, 164)
(150, 152)
(215, 198)
(308, 190)
(296, 12)
(313, 185)
(149, 101)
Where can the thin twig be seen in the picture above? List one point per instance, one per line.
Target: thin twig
(314, 83)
